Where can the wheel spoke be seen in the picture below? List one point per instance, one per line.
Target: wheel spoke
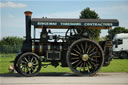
(24, 62)
(88, 48)
(78, 64)
(32, 69)
(90, 64)
(74, 54)
(85, 46)
(75, 62)
(91, 59)
(92, 53)
(26, 59)
(94, 64)
(84, 67)
(82, 48)
(76, 51)
(23, 66)
(29, 71)
(78, 48)
(87, 67)
(24, 69)
(35, 64)
(92, 50)
(97, 51)
(29, 59)
(95, 56)
(75, 58)
(32, 59)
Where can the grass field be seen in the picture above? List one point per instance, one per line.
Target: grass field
(117, 65)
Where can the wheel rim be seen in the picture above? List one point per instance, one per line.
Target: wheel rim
(29, 64)
(85, 57)
(15, 62)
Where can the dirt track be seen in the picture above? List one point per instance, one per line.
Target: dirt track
(65, 79)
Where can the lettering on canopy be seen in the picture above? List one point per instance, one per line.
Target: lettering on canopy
(72, 24)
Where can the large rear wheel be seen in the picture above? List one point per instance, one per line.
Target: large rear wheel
(29, 64)
(85, 57)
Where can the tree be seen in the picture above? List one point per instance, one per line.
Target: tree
(90, 14)
(10, 44)
(116, 30)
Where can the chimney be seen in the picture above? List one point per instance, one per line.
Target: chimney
(28, 25)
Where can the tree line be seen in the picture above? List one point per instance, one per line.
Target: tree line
(10, 44)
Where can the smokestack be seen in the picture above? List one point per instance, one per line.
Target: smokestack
(28, 25)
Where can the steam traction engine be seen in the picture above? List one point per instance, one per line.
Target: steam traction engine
(75, 49)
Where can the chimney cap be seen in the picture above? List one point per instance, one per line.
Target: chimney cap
(28, 13)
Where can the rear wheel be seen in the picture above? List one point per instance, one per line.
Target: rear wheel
(85, 57)
(29, 64)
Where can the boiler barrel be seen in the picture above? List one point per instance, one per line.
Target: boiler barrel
(42, 48)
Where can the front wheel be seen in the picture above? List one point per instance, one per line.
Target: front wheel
(15, 62)
(29, 64)
(85, 57)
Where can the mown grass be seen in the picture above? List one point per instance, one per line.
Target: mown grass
(5, 62)
(117, 65)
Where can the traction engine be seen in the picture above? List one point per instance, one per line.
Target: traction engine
(75, 49)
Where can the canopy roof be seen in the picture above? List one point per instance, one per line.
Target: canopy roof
(74, 23)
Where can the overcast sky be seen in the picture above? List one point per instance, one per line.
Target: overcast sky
(13, 20)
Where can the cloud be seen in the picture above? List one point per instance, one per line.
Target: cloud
(12, 5)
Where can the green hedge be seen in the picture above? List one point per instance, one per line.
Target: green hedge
(10, 44)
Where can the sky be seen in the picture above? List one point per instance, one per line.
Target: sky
(12, 19)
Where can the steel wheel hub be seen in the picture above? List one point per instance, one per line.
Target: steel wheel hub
(30, 64)
(84, 57)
